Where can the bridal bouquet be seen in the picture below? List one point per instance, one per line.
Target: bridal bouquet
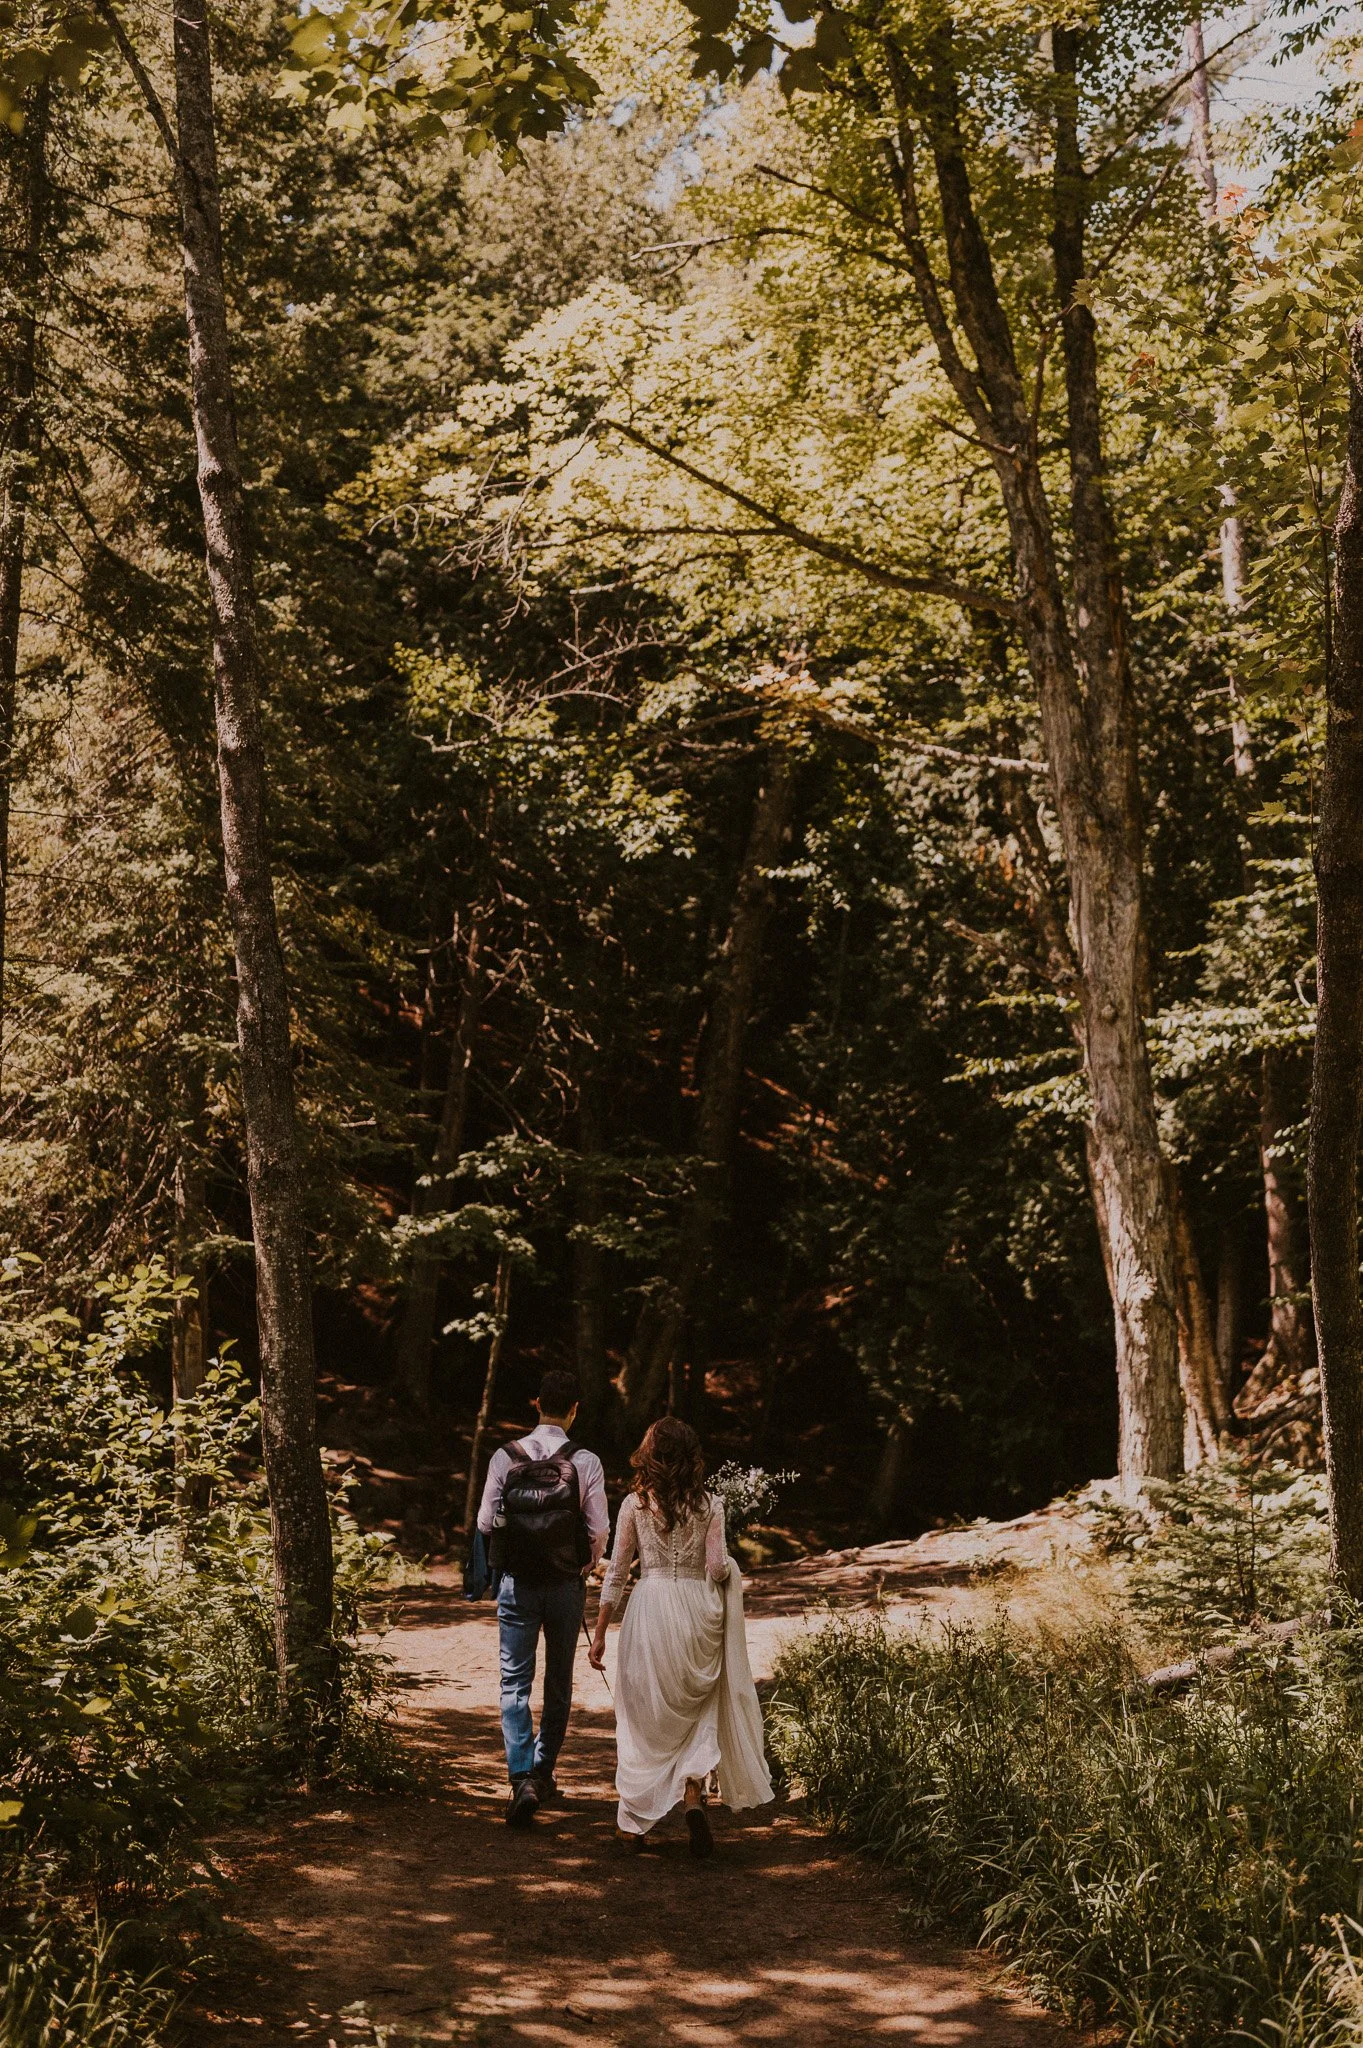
(749, 1494)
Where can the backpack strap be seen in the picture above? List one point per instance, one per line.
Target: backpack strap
(569, 1450)
(518, 1454)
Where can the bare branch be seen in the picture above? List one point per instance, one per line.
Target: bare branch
(873, 220)
(909, 743)
(831, 551)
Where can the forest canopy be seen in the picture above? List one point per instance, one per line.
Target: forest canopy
(681, 697)
(792, 604)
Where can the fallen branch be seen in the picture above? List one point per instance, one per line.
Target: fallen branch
(1175, 1677)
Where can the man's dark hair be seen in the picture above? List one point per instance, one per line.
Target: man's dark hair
(559, 1391)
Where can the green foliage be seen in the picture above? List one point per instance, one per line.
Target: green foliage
(67, 1989)
(138, 1697)
(503, 75)
(1185, 1869)
(42, 44)
(733, 38)
(1225, 1546)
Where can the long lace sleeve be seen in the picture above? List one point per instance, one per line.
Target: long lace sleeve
(622, 1554)
(716, 1552)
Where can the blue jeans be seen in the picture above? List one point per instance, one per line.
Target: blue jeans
(522, 1612)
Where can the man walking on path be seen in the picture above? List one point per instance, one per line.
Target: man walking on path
(545, 1517)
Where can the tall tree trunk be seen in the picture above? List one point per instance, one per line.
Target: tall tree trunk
(501, 1310)
(1110, 929)
(25, 189)
(1229, 1303)
(417, 1338)
(889, 1476)
(189, 1325)
(589, 1263)
(655, 1353)
(1337, 1069)
(1206, 1399)
(1290, 1335)
(299, 1514)
(1203, 154)
(1083, 683)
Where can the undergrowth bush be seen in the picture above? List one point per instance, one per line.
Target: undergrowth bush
(1226, 1546)
(137, 1686)
(1190, 1868)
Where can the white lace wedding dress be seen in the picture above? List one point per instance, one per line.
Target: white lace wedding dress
(685, 1703)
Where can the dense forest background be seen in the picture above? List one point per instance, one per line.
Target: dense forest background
(667, 984)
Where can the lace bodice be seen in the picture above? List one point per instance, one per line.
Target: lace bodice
(693, 1550)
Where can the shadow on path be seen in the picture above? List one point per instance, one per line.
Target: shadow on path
(428, 1913)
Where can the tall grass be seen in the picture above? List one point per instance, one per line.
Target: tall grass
(68, 1991)
(1190, 1869)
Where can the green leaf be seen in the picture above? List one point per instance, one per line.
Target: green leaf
(801, 72)
(756, 55)
(714, 16)
(713, 58)
(312, 38)
(831, 41)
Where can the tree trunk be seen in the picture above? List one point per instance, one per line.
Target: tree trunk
(299, 1513)
(655, 1354)
(1206, 1401)
(1289, 1321)
(417, 1339)
(589, 1264)
(1337, 1068)
(1289, 1341)
(1083, 683)
(1105, 856)
(501, 1309)
(25, 165)
(889, 1476)
(1229, 1304)
(1200, 128)
(1200, 148)
(189, 1325)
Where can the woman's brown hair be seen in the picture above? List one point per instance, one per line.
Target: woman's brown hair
(669, 1471)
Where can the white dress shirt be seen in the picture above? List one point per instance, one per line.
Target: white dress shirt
(591, 1480)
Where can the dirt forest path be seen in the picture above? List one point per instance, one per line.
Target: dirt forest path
(424, 1919)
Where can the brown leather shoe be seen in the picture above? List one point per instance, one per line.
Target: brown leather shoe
(698, 1827)
(523, 1804)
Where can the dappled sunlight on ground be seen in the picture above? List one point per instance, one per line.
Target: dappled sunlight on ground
(425, 1918)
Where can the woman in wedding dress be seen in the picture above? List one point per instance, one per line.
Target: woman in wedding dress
(685, 1703)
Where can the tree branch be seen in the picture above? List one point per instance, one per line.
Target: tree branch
(109, 15)
(1047, 916)
(903, 177)
(873, 220)
(845, 558)
(907, 743)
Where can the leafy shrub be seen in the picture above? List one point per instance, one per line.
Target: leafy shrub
(1181, 1866)
(1228, 1545)
(137, 1685)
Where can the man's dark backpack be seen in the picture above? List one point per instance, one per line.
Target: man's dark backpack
(539, 1534)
